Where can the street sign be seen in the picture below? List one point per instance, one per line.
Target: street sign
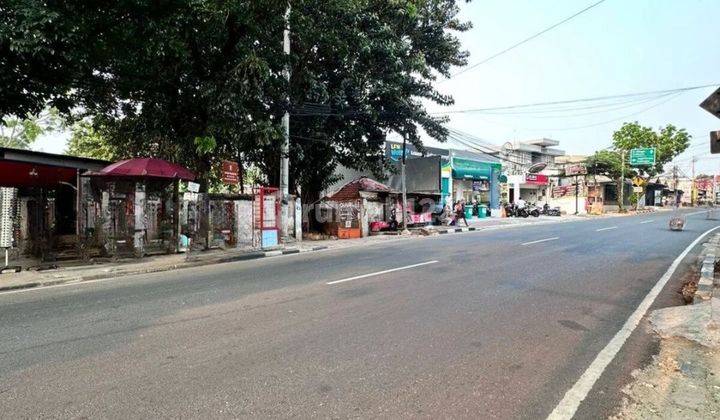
(715, 142)
(711, 104)
(230, 172)
(637, 189)
(193, 187)
(576, 169)
(642, 156)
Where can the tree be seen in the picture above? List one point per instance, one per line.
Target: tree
(668, 141)
(87, 141)
(21, 133)
(157, 75)
(609, 164)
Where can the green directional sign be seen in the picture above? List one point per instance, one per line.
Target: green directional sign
(643, 156)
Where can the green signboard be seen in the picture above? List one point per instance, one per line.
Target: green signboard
(644, 156)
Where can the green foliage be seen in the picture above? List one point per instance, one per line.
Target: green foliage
(634, 198)
(205, 145)
(20, 133)
(87, 141)
(157, 75)
(668, 142)
(608, 163)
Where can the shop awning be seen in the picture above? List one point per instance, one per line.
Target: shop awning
(23, 174)
(470, 169)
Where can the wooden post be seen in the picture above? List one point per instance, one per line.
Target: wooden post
(176, 214)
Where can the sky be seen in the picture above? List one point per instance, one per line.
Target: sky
(617, 47)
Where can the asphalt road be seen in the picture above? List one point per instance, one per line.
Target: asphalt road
(501, 325)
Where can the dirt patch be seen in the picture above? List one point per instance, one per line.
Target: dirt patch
(683, 382)
(689, 285)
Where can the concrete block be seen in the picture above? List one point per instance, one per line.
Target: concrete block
(707, 270)
(705, 286)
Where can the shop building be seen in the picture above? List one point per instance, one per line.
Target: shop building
(518, 157)
(46, 189)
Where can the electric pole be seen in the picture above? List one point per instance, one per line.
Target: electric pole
(404, 190)
(692, 184)
(285, 147)
(622, 180)
(675, 185)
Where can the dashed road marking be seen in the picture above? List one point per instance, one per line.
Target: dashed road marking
(647, 221)
(540, 240)
(377, 273)
(606, 228)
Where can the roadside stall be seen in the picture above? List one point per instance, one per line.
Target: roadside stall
(140, 203)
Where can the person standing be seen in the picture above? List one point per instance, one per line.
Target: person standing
(460, 213)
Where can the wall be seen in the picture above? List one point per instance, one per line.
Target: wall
(244, 222)
(374, 210)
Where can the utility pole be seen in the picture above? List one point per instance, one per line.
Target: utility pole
(404, 190)
(675, 185)
(622, 180)
(692, 184)
(576, 193)
(285, 147)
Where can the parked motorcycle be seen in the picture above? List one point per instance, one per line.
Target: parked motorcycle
(550, 211)
(532, 210)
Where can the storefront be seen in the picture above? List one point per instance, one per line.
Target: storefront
(474, 177)
(533, 188)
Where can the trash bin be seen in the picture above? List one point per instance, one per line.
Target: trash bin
(482, 211)
(468, 211)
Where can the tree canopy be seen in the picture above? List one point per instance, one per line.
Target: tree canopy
(21, 133)
(668, 141)
(156, 76)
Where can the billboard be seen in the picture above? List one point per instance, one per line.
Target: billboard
(422, 175)
(575, 169)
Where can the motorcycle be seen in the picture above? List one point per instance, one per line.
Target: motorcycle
(532, 210)
(550, 211)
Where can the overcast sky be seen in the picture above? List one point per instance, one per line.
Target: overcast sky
(617, 47)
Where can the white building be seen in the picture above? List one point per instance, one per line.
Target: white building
(518, 157)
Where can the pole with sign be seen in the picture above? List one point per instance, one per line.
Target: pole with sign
(644, 156)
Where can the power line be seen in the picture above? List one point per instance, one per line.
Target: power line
(572, 101)
(526, 40)
(658, 93)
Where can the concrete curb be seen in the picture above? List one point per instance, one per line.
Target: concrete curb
(458, 230)
(708, 283)
(188, 264)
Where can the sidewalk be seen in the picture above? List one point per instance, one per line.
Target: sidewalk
(683, 380)
(84, 272)
(78, 273)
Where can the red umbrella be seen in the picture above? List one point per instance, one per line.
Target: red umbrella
(149, 168)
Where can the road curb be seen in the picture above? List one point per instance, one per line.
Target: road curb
(188, 264)
(707, 282)
(458, 230)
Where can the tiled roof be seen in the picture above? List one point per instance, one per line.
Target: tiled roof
(351, 190)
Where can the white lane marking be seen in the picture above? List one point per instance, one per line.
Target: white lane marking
(607, 228)
(377, 273)
(540, 240)
(571, 401)
(647, 221)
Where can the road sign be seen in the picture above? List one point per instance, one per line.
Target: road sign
(193, 187)
(643, 156)
(637, 189)
(711, 104)
(715, 142)
(230, 172)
